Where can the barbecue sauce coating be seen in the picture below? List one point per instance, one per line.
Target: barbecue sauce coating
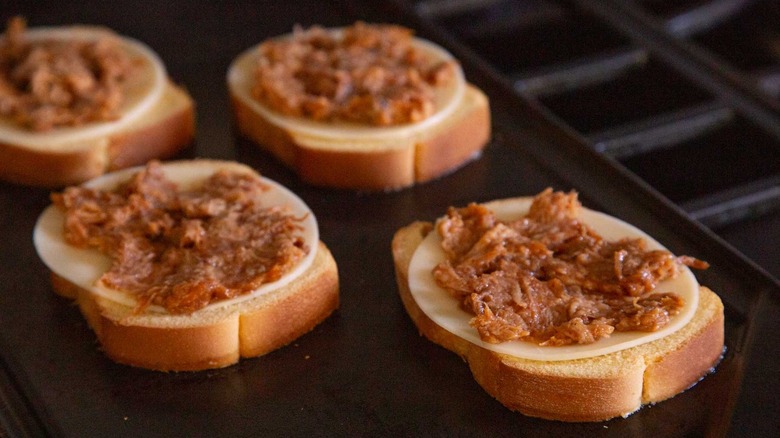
(183, 249)
(371, 75)
(549, 279)
(49, 83)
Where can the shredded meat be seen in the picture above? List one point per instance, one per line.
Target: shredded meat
(371, 75)
(52, 83)
(183, 249)
(549, 279)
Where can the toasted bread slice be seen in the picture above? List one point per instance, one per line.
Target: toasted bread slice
(157, 121)
(380, 166)
(364, 157)
(586, 389)
(162, 132)
(214, 336)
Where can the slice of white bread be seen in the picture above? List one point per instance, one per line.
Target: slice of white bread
(587, 389)
(162, 132)
(364, 157)
(215, 336)
(150, 128)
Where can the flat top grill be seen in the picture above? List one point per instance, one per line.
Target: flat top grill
(683, 94)
(624, 102)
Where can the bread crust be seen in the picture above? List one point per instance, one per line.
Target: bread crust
(446, 146)
(592, 389)
(214, 337)
(165, 130)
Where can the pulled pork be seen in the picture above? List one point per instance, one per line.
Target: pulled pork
(549, 279)
(183, 249)
(370, 75)
(52, 83)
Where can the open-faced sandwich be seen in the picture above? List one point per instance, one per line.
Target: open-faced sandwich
(79, 101)
(367, 107)
(561, 312)
(188, 265)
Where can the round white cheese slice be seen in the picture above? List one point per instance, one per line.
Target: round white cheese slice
(241, 78)
(84, 267)
(142, 91)
(445, 311)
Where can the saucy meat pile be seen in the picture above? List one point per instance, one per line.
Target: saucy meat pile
(51, 83)
(549, 279)
(183, 249)
(371, 74)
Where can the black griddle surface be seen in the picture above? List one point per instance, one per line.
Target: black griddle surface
(365, 371)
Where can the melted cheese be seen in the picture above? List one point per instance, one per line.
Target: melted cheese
(142, 92)
(445, 311)
(240, 79)
(83, 267)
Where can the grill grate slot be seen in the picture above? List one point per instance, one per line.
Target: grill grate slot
(641, 92)
(443, 8)
(770, 83)
(742, 34)
(737, 203)
(581, 73)
(733, 154)
(483, 18)
(524, 36)
(667, 130)
(684, 19)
